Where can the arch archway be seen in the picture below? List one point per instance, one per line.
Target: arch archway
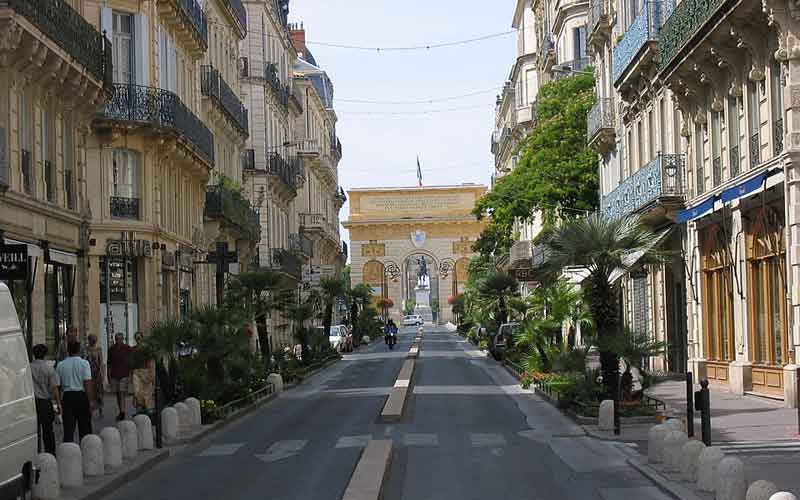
(460, 275)
(411, 266)
(374, 275)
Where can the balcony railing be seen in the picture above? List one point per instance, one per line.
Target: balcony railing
(124, 208)
(571, 67)
(214, 86)
(249, 159)
(300, 243)
(598, 15)
(662, 178)
(682, 25)
(70, 31)
(284, 170)
(232, 207)
(600, 119)
(236, 7)
(778, 133)
(755, 150)
(286, 261)
(521, 253)
(307, 146)
(193, 13)
(282, 92)
(644, 29)
(310, 222)
(162, 109)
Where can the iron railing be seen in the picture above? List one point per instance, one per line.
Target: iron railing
(662, 177)
(734, 161)
(572, 67)
(249, 159)
(682, 25)
(642, 30)
(27, 172)
(159, 108)
(302, 244)
(125, 208)
(755, 150)
(70, 31)
(193, 13)
(287, 262)
(236, 7)
(214, 86)
(778, 136)
(284, 170)
(598, 10)
(600, 117)
(231, 206)
(281, 91)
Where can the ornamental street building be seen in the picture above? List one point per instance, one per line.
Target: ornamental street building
(392, 230)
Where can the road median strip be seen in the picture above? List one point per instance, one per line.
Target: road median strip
(372, 469)
(395, 404)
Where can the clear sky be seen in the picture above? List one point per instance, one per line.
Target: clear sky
(380, 149)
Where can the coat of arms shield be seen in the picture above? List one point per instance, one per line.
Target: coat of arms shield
(418, 238)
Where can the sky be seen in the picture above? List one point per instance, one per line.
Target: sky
(380, 149)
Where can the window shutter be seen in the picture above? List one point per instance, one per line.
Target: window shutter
(141, 39)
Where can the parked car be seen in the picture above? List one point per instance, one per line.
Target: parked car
(502, 339)
(340, 338)
(18, 438)
(413, 320)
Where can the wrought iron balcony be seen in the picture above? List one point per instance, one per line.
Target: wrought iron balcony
(69, 30)
(600, 125)
(162, 109)
(237, 10)
(182, 12)
(307, 147)
(680, 28)
(521, 254)
(599, 18)
(778, 136)
(318, 223)
(214, 86)
(661, 180)
(281, 91)
(249, 159)
(283, 170)
(569, 68)
(302, 244)
(642, 31)
(287, 262)
(230, 206)
(124, 208)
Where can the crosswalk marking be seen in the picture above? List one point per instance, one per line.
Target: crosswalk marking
(360, 441)
(221, 450)
(420, 439)
(486, 440)
(283, 449)
(761, 447)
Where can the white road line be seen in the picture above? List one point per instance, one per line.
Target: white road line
(283, 449)
(359, 441)
(420, 439)
(401, 383)
(649, 492)
(221, 450)
(486, 440)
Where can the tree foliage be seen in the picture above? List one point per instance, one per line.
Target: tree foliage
(555, 169)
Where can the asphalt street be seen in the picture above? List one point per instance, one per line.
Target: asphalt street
(470, 432)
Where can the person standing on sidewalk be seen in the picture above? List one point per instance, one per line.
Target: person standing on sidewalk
(76, 393)
(71, 336)
(45, 390)
(119, 372)
(94, 355)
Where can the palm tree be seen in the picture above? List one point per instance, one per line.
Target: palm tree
(360, 296)
(332, 288)
(602, 246)
(495, 292)
(162, 346)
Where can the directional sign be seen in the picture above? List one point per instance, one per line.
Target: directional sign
(283, 449)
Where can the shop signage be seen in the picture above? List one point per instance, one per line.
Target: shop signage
(129, 248)
(13, 262)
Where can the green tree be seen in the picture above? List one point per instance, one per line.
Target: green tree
(332, 288)
(360, 297)
(603, 246)
(556, 173)
(411, 304)
(495, 291)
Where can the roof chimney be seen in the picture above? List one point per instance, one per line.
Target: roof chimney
(298, 35)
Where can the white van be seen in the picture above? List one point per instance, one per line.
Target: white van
(18, 437)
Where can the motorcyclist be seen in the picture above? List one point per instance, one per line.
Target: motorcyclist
(391, 333)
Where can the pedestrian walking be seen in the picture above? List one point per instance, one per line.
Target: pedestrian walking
(45, 390)
(75, 376)
(94, 355)
(61, 351)
(119, 372)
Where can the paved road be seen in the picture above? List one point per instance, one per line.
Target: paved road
(470, 433)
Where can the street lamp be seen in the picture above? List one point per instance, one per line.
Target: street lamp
(391, 270)
(566, 68)
(446, 266)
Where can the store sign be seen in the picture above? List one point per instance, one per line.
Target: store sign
(129, 248)
(13, 262)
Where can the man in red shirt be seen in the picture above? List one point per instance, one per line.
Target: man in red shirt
(119, 371)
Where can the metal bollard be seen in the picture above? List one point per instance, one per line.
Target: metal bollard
(702, 403)
(689, 404)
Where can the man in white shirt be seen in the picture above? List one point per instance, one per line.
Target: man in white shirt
(76, 393)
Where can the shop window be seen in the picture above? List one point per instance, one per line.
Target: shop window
(767, 286)
(119, 300)
(58, 292)
(717, 286)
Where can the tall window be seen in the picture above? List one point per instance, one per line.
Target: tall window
(767, 281)
(651, 135)
(639, 145)
(579, 43)
(641, 304)
(68, 145)
(48, 147)
(754, 119)
(776, 90)
(716, 147)
(123, 47)
(662, 130)
(717, 294)
(700, 174)
(125, 184)
(26, 159)
(734, 135)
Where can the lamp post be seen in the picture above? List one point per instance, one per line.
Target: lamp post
(564, 68)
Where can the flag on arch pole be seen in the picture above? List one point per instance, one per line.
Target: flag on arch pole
(419, 172)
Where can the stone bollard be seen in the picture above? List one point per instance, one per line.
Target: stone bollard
(112, 448)
(194, 407)
(70, 465)
(605, 416)
(707, 467)
(92, 450)
(783, 495)
(761, 490)
(184, 417)
(130, 439)
(169, 424)
(144, 432)
(674, 424)
(365, 339)
(730, 481)
(655, 440)
(48, 487)
(276, 380)
(690, 455)
(671, 450)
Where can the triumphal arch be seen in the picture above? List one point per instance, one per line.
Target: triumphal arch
(413, 244)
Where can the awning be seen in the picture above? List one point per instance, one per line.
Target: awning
(59, 257)
(742, 189)
(632, 258)
(33, 249)
(696, 211)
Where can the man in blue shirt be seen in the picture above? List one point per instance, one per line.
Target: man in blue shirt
(76, 392)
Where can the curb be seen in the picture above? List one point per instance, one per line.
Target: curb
(122, 479)
(668, 486)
